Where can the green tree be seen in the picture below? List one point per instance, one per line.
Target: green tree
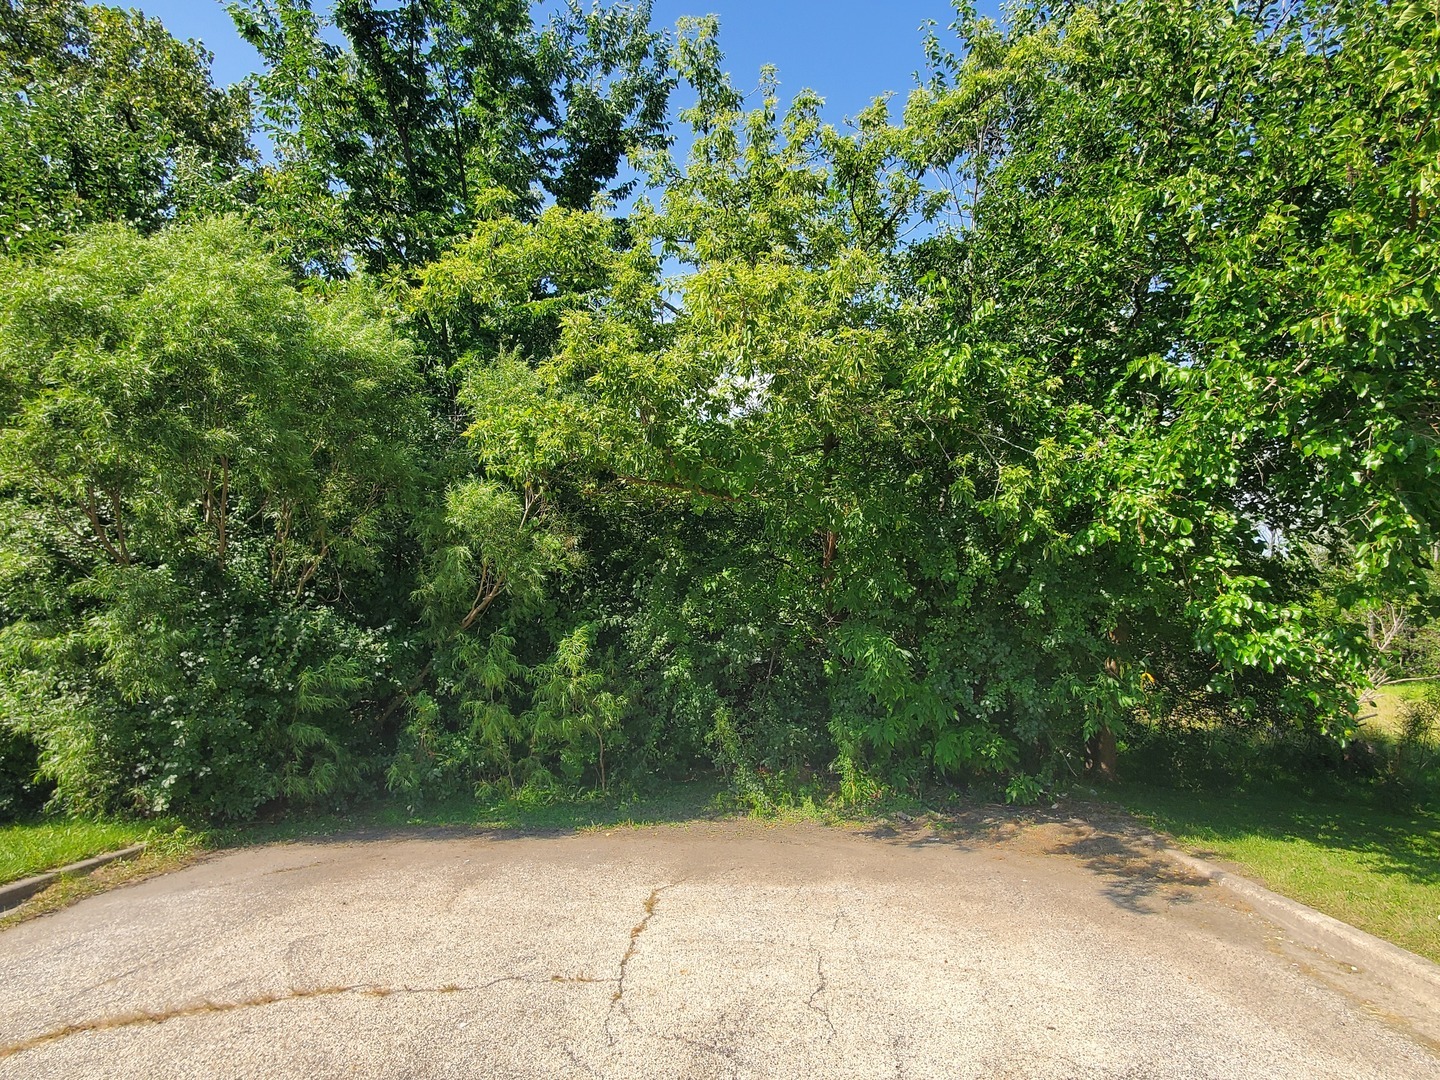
(763, 388)
(1210, 226)
(395, 144)
(490, 557)
(106, 117)
(980, 497)
(1097, 383)
(202, 471)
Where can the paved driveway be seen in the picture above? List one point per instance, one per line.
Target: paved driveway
(724, 949)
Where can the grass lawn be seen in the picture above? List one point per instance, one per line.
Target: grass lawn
(28, 848)
(1372, 867)
(1381, 708)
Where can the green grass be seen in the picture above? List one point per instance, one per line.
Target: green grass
(1381, 708)
(28, 848)
(1367, 865)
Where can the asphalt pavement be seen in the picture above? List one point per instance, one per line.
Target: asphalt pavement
(731, 949)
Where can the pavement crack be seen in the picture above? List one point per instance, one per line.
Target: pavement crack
(724, 1052)
(143, 1017)
(822, 984)
(617, 999)
(302, 866)
(579, 1062)
(897, 1047)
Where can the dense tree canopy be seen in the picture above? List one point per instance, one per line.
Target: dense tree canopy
(438, 109)
(1093, 387)
(106, 117)
(202, 471)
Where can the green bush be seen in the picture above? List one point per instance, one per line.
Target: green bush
(21, 792)
(200, 468)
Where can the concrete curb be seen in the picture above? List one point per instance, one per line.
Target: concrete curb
(1390, 964)
(17, 892)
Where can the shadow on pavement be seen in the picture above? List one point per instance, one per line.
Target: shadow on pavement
(1134, 875)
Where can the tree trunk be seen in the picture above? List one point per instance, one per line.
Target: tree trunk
(222, 536)
(1101, 759)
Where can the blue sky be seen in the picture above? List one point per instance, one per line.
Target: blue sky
(847, 50)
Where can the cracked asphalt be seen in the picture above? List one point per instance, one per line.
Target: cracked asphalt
(985, 948)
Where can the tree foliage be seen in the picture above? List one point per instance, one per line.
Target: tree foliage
(106, 117)
(394, 144)
(1092, 385)
(200, 470)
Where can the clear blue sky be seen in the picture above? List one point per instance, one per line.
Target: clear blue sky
(846, 50)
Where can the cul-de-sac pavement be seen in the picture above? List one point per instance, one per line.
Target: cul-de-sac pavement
(986, 948)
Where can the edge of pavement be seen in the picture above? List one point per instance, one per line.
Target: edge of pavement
(15, 893)
(1382, 960)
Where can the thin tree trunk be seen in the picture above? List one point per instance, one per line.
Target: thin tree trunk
(223, 512)
(1101, 756)
(102, 534)
(118, 511)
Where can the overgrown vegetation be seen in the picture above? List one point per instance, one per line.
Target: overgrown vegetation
(1086, 404)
